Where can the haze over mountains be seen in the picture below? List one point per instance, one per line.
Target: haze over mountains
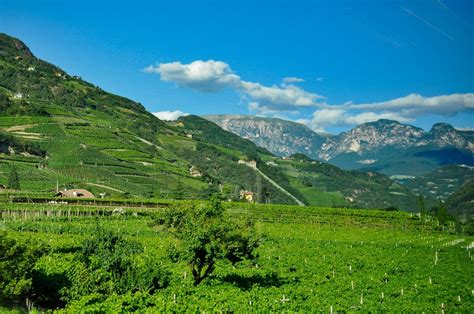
(386, 146)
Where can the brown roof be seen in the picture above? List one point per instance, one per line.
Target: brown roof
(75, 193)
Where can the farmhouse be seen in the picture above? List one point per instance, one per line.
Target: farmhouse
(246, 195)
(75, 193)
(251, 164)
(194, 172)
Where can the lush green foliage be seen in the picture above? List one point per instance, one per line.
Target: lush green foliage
(109, 264)
(17, 262)
(13, 179)
(206, 235)
(460, 202)
(422, 206)
(312, 259)
(21, 146)
(209, 132)
(441, 182)
(321, 183)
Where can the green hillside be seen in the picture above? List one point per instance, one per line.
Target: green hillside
(461, 203)
(89, 138)
(325, 185)
(313, 182)
(440, 183)
(60, 131)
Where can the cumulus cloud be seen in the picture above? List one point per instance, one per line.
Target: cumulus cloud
(258, 110)
(415, 104)
(403, 109)
(324, 118)
(169, 115)
(284, 98)
(288, 99)
(212, 76)
(205, 76)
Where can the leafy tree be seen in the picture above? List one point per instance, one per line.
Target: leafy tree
(5, 103)
(17, 262)
(457, 225)
(441, 213)
(13, 179)
(391, 209)
(110, 264)
(207, 235)
(422, 206)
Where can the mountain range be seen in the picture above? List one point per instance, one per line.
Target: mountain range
(58, 130)
(385, 146)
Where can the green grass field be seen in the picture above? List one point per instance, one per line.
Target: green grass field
(312, 259)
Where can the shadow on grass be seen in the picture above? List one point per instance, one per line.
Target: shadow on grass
(247, 282)
(48, 289)
(67, 249)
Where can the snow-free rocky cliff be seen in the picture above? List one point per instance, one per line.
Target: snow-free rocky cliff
(375, 143)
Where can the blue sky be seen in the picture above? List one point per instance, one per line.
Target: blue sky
(346, 62)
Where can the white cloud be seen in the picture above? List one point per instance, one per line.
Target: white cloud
(205, 76)
(169, 115)
(256, 109)
(324, 118)
(212, 76)
(287, 98)
(292, 79)
(415, 104)
(404, 109)
(463, 129)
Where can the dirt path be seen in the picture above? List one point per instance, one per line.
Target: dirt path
(277, 185)
(105, 187)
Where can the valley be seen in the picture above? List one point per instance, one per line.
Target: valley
(106, 208)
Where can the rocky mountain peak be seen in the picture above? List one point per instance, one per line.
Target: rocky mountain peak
(442, 127)
(279, 136)
(372, 135)
(360, 146)
(381, 123)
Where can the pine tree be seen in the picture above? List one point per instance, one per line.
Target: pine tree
(421, 204)
(442, 214)
(259, 198)
(13, 179)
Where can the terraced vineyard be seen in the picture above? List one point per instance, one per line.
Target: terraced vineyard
(312, 258)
